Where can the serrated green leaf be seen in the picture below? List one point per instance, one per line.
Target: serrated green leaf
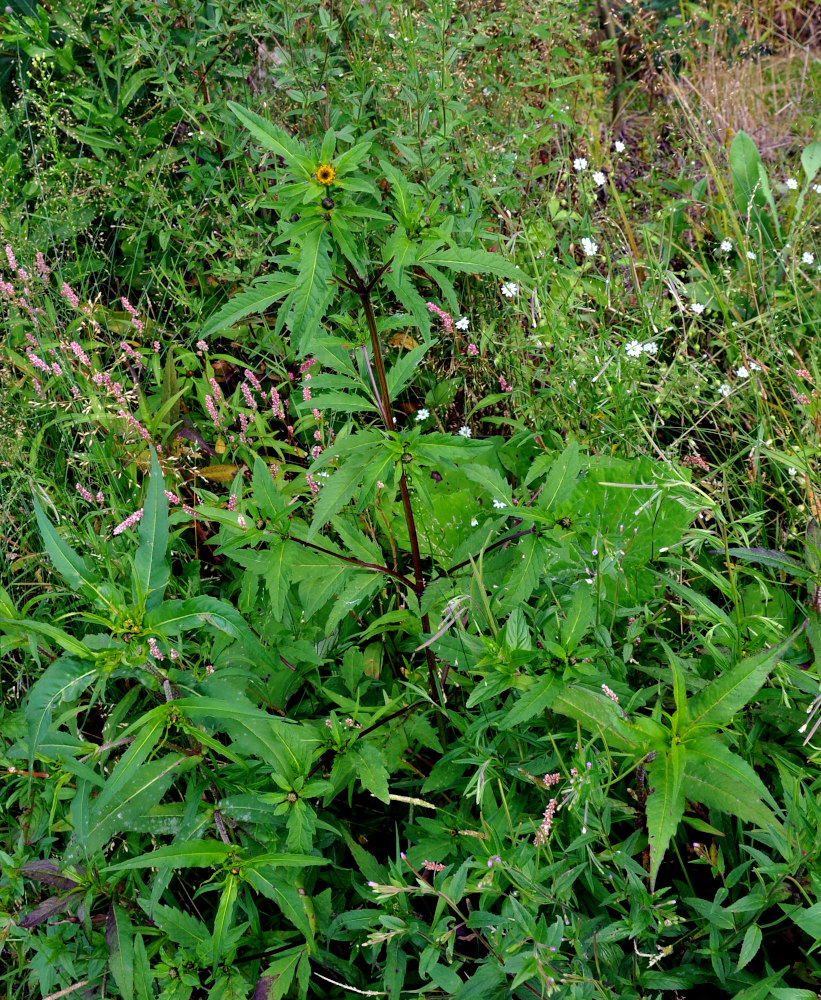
(287, 899)
(273, 138)
(579, 617)
(709, 781)
(253, 301)
(339, 489)
(182, 928)
(472, 261)
(277, 576)
(718, 702)
(313, 290)
(596, 713)
(665, 803)
(150, 566)
(369, 765)
(561, 478)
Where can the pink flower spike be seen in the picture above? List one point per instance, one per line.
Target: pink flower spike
(80, 354)
(11, 258)
(232, 502)
(129, 522)
(84, 493)
(70, 296)
(473, 350)
(100, 498)
(42, 268)
(447, 319)
(255, 382)
(250, 402)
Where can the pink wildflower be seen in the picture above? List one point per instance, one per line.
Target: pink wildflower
(217, 390)
(129, 350)
(255, 382)
(129, 522)
(202, 345)
(232, 502)
(552, 779)
(317, 415)
(156, 346)
(11, 258)
(306, 394)
(172, 498)
(503, 385)
(547, 822)
(154, 649)
(70, 296)
(432, 866)
(38, 388)
(447, 319)
(80, 354)
(316, 451)
(307, 365)
(84, 493)
(276, 405)
(42, 268)
(473, 350)
(250, 402)
(314, 485)
(133, 422)
(38, 362)
(136, 322)
(58, 371)
(100, 498)
(212, 411)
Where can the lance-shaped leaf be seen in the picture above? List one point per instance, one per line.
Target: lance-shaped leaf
(717, 703)
(189, 854)
(62, 681)
(224, 918)
(142, 791)
(274, 138)
(313, 291)
(721, 780)
(119, 939)
(69, 643)
(150, 565)
(472, 262)
(253, 301)
(665, 802)
(67, 562)
(597, 713)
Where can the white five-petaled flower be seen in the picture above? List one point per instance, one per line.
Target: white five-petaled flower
(724, 390)
(499, 504)
(632, 349)
(807, 257)
(619, 146)
(589, 246)
(651, 347)
(510, 289)
(580, 164)
(742, 372)
(817, 188)
(462, 323)
(750, 255)
(791, 183)
(422, 414)
(599, 178)
(755, 366)
(465, 431)
(474, 522)
(726, 246)
(698, 308)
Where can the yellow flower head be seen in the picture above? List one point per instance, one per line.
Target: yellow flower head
(325, 173)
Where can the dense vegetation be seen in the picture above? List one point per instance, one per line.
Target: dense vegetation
(410, 500)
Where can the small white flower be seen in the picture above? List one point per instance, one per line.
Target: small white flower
(651, 347)
(510, 289)
(619, 146)
(474, 522)
(755, 366)
(422, 414)
(750, 255)
(599, 178)
(724, 390)
(487, 91)
(817, 188)
(791, 183)
(499, 505)
(792, 472)
(632, 349)
(742, 372)
(726, 246)
(462, 324)
(589, 247)
(698, 308)
(580, 164)
(807, 257)
(465, 432)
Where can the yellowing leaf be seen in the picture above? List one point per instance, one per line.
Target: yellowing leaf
(403, 340)
(219, 473)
